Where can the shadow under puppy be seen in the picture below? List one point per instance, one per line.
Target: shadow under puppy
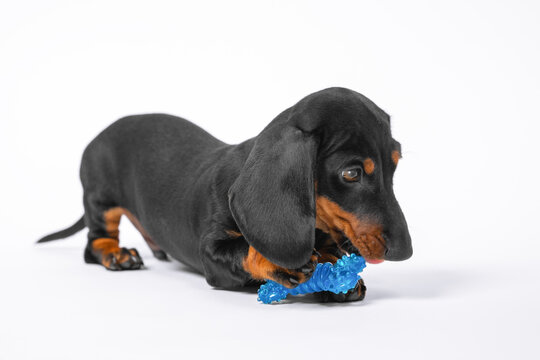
(315, 184)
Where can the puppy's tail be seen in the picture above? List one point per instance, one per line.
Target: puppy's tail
(78, 226)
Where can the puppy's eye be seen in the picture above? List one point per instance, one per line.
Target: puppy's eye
(351, 174)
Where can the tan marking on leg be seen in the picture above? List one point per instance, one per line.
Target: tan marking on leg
(105, 246)
(107, 250)
(326, 257)
(260, 268)
(112, 221)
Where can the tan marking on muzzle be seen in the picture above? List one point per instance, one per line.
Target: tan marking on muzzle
(365, 236)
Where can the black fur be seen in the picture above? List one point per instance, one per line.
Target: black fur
(189, 190)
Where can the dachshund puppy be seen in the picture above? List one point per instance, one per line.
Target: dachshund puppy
(315, 184)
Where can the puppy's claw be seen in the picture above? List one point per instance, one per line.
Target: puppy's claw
(112, 263)
(136, 258)
(160, 255)
(124, 259)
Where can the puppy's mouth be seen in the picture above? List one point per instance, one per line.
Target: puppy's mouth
(352, 234)
(374, 261)
(370, 246)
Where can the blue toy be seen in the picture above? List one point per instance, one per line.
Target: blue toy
(337, 278)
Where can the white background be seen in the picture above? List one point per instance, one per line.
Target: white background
(461, 80)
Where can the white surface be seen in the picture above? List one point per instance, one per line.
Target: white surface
(460, 79)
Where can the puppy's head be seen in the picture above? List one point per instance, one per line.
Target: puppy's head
(326, 163)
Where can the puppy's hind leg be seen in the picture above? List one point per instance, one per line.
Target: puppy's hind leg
(103, 243)
(156, 250)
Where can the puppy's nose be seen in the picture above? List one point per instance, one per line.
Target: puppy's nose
(398, 254)
(398, 247)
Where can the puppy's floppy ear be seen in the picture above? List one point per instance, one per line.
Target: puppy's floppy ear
(273, 198)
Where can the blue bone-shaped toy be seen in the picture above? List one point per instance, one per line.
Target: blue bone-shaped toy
(337, 278)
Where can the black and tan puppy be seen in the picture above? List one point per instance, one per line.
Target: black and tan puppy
(314, 184)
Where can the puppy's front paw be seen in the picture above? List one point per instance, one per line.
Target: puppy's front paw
(292, 277)
(261, 268)
(356, 294)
